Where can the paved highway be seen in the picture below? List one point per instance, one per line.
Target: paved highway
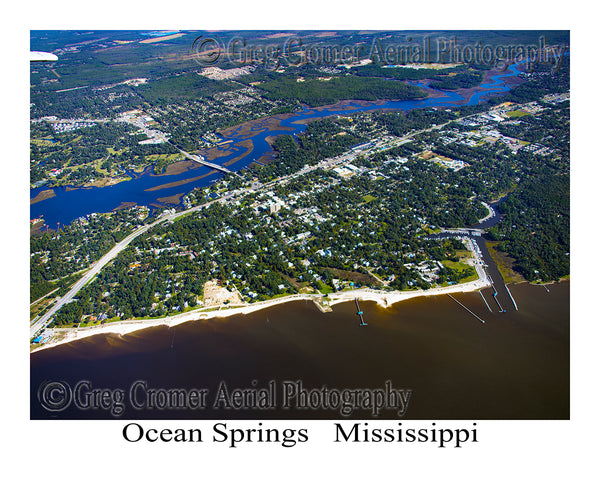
(89, 275)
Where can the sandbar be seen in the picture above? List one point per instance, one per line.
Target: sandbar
(43, 195)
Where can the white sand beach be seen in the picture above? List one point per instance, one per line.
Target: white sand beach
(324, 302)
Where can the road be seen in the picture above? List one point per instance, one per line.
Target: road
(89, 275)
(44, 320)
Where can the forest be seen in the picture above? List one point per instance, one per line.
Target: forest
(535, 229)
(315, 92)
(182, 86)
(59, 254)
(458, 80)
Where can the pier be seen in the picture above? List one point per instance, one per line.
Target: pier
(495, 295)
(485, 301)
(511, 297)
(360, 313)
(483, 258)
(476, 316)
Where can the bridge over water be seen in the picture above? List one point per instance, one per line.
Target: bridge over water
(199, 159)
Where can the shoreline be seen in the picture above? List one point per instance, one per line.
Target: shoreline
(322, 301)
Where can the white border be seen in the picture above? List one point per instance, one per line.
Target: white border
(71, 449)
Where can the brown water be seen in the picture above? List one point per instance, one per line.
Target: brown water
(515, 366)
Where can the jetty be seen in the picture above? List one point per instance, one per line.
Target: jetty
(495, 296)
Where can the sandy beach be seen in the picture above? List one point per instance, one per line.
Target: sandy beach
(323, 302)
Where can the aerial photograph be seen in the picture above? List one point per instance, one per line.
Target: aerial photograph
(299, 224)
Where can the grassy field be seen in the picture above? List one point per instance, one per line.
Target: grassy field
(517, 114)
(460, 267)
(112, 151)
(162, 39)
(163, 156)
(323, 288)
(368, 198)
(352, 276)
(40, 306)
(162, 160)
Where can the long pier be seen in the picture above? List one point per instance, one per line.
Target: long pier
(511, 297)
(477, 317)
(485, 301)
